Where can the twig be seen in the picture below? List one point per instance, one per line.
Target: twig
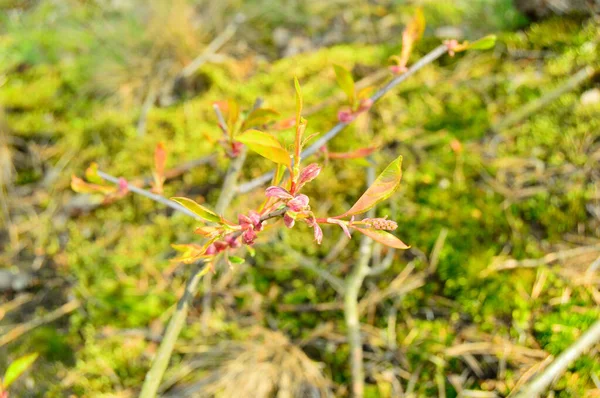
(560, 364)
(161, 360)
(526, 110)
(351, 312)
(20, 330)
(547, 259)
(427, 59)
(385, 264)
(149, 195)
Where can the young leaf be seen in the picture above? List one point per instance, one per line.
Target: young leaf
(160, 158)
(198, 209)
(346, 83)
(91, 174)
(384, 186)
(383, 237)
(412, 33)
(190, 252)
(17, 368)
(298, 100)
(485, 43)
(259, 116)
(233, 114)
(80, 186)
(236, 260)
(265, 145)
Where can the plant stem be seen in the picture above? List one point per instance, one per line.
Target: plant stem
(427, 59)
(351, 312)
(560, 364)
(161, 360)
(149, 195)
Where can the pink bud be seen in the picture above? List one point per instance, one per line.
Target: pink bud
(277, 192)
(318, 232)
(255, 217)
(233, 242)
(365, 105)
(123, 186)
(398, 70)
(210, 250)
(289, 220)
(345, 116)
(309, 173)
(299, 203)
(248, 236)
(220, 246)
(244, 220)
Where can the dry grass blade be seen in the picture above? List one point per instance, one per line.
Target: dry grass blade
(266, 364)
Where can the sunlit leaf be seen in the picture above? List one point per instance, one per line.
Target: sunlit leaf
(236, 260)
(412, 33)
(284, 124)
(198, 209)
(358, 153)
(190, 252)
(160, 159)
(485, 43)
(80, 186)
(382, 188)
(17, 368)
(346, 83)
(265, 145)
(383, 237)
(233, 114)
(259, 117)
(91, 174)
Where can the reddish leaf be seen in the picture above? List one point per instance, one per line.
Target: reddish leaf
(346, 83)
(80, 186)
(412, 33)
(160, 158)
(358, 153)
(265, 145)
(198, 209)
(383, 237)
(284, 124)
(384, 186)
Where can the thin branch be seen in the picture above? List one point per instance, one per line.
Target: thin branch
(163, 356)
(336, 283)
(385, 264)
(560, 364)
(157, 198)
(351, 312)
(427, 59)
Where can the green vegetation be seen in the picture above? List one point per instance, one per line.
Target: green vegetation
(73, 80)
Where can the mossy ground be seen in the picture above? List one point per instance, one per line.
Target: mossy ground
(115, 260)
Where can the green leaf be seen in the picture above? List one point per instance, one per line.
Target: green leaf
(233, 114)
(383, 237)
(384, 186)
(198, 209)
(265, 145)
(260, 116)
(91, 174)
(346, 83)
(299, 103)
(236, 260)
(485, 43)
(17, 368)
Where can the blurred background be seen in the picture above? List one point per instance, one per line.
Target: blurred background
(500, 198)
